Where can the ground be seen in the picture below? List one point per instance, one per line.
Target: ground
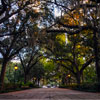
(50, 94)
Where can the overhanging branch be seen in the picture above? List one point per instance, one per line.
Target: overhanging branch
(70, 32)
(86, 64)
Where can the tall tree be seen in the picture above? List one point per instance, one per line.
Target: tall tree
(71, 55)
(29, 57)
(89, 17)
(13, 30)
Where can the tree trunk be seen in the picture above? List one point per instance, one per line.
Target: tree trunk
(97, 56)
(25, 79)
(82, 76)
(38, 82)
(3, 74)
(78, 76)
(63, 79)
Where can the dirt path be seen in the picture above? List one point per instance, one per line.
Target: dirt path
(50, 94)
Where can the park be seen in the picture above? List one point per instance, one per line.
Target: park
(50, 49)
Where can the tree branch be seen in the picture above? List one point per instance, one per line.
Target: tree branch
(86, 64)
(68, 69)
(4, 7)
(22, 62)
(81, 28)
(8, 16)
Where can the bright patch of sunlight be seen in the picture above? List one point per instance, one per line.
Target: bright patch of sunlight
(66, 39)
(57, 12)
(15, 60)
(85, 1)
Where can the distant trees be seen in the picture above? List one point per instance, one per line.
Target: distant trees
(37, 73)
(29, 57)
(76, 58)
(74, 55)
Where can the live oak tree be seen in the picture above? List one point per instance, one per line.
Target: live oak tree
(16, 16)
(15, 19)
(89, 18)
(73, 61)
(37, 73)
(29, 57)
(71, 55)
(11, 45)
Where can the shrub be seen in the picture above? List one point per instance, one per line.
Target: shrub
(29, 85)
(89, 87)
(10, 86)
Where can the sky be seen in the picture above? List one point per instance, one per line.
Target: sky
(0, 56)
(57, 12)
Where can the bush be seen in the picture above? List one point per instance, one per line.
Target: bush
(71, 86)
(29, 85)
(89, 87)
(9, 87)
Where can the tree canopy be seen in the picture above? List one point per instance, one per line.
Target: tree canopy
(49, 36)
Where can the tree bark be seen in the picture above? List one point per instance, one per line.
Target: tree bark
(82, 76)
(97, 54)
(25, 79)
(3, 74)
(78, 78)
(38, 82)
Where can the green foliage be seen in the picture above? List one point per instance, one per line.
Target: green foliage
(49, 65)
(61, 38)
(72, 86)
(11, 74)
(10, 87)
(27, 30)
(90, 74)
(87, 87)
(38, 71)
